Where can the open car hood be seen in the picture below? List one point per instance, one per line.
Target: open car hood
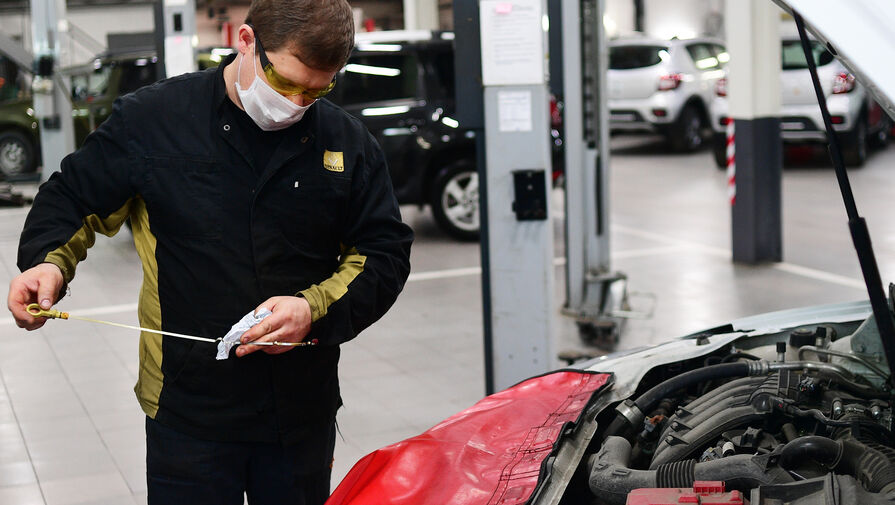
(860, 33)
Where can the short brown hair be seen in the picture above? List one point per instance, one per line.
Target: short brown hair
(319, 32)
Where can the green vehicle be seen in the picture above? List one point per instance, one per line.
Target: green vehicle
(95, 86)
(19, 135)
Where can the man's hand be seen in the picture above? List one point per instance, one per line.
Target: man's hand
(39, 284)
(290, 321)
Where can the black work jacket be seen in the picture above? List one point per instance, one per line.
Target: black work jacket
(216, 240)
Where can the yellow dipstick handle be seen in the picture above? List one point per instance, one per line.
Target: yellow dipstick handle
(35, 310)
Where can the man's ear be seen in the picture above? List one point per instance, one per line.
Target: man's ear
(245, 39)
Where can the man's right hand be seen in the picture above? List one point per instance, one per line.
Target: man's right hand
(40, 284)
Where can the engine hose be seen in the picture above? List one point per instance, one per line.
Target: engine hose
(629, 414)
(873, 469)
(612, 480)
(648, 400)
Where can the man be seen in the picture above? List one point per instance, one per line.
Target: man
(245, 191)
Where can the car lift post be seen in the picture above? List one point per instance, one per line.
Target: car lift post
(517, 232)
(175, 36)
(595, 296)
(753, 86)
(51, 89)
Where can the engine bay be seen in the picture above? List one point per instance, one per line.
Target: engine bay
(797, 416)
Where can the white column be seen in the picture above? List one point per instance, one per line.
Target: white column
(421, 15)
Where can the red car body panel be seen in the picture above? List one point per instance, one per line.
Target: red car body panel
(490, 453)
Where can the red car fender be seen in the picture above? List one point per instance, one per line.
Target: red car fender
(489, 453)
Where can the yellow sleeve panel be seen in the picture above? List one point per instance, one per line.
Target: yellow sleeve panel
(322, 296)
(74, 251)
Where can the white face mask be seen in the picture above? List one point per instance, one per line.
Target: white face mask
(267, 108)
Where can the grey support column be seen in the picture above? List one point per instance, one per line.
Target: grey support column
(51, 89)
(520, 232)
(753, 41)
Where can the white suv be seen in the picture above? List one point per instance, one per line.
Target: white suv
(857, 119)
(664, 86)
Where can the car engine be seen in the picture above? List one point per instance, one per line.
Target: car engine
(797, 417)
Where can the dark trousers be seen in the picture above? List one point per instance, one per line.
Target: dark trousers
(183, 469)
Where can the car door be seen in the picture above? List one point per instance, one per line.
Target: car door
(383, 90)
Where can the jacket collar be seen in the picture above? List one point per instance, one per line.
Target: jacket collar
(300, 136)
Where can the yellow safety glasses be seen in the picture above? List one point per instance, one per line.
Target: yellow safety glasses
(284, 86)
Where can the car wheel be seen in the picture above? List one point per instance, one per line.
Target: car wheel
(854, 145)
(879, 139)
(455, 200)
(16, 154)
(719, 150)
(686, 133)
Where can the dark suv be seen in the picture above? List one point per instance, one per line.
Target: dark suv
(95, 86)
(401, 85)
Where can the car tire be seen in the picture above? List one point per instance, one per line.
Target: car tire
(685, 134)
(455, 200)
(854, 145)
(16, 154)
(879, 139)
(719, 150)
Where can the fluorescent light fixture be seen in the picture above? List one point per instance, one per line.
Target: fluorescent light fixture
(385, 111)
(371, 70)
(141, 62)
(724, 57)
(386, 48)
(449, 121)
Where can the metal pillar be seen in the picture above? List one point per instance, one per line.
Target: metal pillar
(753, 41)
(421, 15)
(594, 294)
(175, 28)
(51, 90)
(520, 232)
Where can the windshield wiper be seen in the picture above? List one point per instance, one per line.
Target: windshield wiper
(856, 224)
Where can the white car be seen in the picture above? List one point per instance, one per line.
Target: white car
(857, 119)
(664, 86)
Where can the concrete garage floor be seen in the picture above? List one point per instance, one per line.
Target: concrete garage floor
(71, 431)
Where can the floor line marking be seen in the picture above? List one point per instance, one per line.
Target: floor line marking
(673, 247)
(791, 268)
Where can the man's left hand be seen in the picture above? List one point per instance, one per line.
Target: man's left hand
(290, 321)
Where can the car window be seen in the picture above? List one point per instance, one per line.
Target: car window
(136, 74)
(444, 72)
(377, 77)
(86, 87)
(636, 56)
(703, 56)
(15, 83)
(721, 53)
(793, 57)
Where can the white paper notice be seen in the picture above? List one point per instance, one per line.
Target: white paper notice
(514, 111)
(512, 42)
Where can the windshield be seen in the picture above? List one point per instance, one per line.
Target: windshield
(793, 58)
(628, 57)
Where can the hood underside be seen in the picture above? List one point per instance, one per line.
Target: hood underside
(860, 33)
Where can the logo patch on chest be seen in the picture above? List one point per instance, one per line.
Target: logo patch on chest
(333, 162)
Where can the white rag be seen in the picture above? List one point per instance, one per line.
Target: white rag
(231, 339)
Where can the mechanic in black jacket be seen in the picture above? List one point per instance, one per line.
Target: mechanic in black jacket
(245, 190)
